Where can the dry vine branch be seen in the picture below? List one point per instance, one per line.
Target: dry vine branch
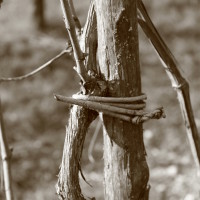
(6, 158)
(177, 80)
(47, 64)
(70, 26)
(75, 18)
(68, 180)
(133, 116)
(128, 106)
(156, 114)
(111, 99)
(99, 106)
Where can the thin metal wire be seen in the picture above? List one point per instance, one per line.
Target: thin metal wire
(47, 64)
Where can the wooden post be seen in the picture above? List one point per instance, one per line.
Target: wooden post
(126, 170)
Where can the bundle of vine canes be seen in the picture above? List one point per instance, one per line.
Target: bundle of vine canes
(129, 109)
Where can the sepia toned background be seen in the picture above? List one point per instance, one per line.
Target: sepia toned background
(35, 123)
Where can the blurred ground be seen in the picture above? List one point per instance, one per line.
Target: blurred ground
(35, 123)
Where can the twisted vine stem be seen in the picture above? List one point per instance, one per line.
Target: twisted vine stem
(179, 83)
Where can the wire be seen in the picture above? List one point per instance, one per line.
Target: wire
(19, 78)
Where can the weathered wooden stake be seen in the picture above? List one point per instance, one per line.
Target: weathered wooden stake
(126, 170)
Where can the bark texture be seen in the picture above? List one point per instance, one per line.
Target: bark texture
(68, 179)
(126, 171)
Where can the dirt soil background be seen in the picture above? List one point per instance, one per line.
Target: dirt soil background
(35, 122)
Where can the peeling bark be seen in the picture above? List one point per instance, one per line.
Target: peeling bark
(126, 170)
(68, 179)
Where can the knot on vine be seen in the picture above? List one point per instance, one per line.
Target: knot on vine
(94, 87)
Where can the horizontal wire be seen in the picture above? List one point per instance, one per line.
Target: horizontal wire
(19, 78)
